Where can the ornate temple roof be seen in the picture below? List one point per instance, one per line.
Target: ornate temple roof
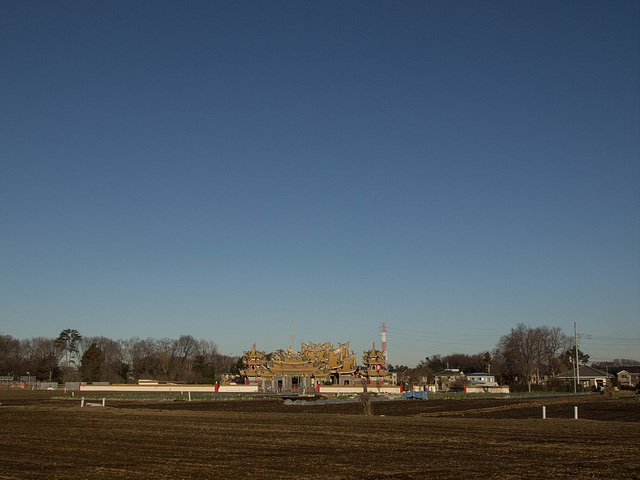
(254, 352)
(319, 359)
(375, 362)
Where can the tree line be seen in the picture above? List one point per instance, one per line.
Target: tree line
(523, 356)
(73, 357)
(526, 355)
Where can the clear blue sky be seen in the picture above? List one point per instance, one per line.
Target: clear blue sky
(223, 169)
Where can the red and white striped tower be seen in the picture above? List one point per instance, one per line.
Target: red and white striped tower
(384, 344)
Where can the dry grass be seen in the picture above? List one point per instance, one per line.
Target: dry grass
(265, 439)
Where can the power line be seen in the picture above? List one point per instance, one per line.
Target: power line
(610, 340)
(606, 337)
(414, 333)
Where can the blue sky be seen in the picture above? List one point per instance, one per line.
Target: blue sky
(223, 169)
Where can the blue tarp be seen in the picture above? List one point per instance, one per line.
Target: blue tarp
(418, 395)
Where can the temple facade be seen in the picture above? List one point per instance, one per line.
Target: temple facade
(315, 364)
(254, 366)
(375, 368)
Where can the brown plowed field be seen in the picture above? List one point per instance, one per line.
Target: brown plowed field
(43, 437)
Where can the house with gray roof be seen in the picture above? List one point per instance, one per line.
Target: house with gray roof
(589, 377)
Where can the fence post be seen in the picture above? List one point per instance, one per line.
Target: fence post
(575, 413)
(82, 403)
(544, 412)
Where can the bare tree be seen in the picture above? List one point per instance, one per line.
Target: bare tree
(12, 356)
(44, 357)
(127, 349)
(526, 353)
(518, 353)
(143, 357)
(186, 348)
(365, 399)
(166, 353)
(555, 343)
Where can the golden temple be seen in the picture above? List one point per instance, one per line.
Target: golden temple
(313, 365)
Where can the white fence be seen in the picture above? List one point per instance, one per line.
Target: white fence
(325, 389)
(170, 388)
(351, 389)
(486, 389)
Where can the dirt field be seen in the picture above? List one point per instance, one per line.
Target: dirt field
(41, 437)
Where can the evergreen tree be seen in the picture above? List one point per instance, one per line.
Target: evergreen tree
(91, 364)
(69, 338)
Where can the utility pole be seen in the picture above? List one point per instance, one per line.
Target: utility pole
(575, 331)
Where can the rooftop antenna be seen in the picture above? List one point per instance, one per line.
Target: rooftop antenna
(292, 335)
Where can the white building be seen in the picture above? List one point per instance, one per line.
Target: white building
(485, 379)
